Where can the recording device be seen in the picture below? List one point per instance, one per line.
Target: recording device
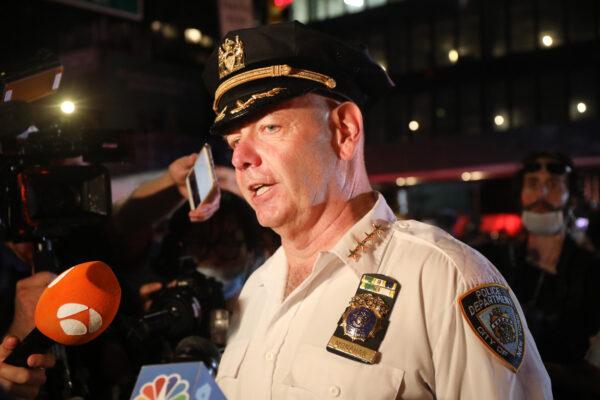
(201, 180)
(74, 309)
(181, 310)
(180, 326)
(197, 348)
(56, 206)
(187, 380)
(40, 198)
(47, 200)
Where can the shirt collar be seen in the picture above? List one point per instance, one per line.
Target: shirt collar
(369, 261)
(274, 268)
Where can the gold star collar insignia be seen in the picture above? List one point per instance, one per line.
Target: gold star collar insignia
(368, 242)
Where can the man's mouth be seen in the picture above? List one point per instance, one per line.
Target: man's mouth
(260, 188)
(540, 207)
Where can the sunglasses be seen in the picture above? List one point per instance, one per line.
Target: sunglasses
(555, 168)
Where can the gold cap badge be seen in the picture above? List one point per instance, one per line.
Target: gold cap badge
(231, 56)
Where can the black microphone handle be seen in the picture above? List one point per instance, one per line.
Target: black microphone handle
(34, 343)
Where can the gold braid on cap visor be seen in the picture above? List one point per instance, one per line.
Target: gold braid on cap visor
(270, 72)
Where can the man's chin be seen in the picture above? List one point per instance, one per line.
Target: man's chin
(268, 213)
(267, 220)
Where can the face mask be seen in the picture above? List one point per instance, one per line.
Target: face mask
(547, 223)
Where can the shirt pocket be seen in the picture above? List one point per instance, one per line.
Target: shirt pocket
(230, 365)
(318, 374)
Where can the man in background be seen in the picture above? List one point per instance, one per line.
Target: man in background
(554, 278)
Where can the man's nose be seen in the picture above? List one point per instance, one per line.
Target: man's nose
(542, 190)
(245, 154)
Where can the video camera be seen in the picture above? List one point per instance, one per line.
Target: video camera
(41, 197)
(187, 321)
(185, 307)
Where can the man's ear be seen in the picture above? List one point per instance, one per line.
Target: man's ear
(347, 127)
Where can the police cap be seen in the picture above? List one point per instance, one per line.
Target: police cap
(260, 67)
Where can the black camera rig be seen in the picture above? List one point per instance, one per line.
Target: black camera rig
(42, 195)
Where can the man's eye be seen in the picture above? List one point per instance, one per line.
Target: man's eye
(271, 128)
(233, 142)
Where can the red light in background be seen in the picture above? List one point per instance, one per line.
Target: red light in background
(509, 224)
(281, 4)
(496, 223)
(460, 226)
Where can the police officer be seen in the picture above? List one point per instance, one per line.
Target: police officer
(354, 304)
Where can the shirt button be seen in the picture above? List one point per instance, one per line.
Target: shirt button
(334, 391)
(269, 356)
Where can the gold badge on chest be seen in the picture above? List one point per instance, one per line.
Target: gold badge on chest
(365, 308)
(231, 56)
(363, 325)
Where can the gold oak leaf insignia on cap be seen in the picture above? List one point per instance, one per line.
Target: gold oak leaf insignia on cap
(231, 56)
(242, 105)
(221, 115)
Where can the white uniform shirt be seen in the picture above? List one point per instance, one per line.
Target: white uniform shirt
(277, 349)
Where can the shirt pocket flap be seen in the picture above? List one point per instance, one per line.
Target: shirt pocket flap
(232, 358)
(327, 375)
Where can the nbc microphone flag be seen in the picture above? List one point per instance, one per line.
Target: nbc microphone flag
(178, 381)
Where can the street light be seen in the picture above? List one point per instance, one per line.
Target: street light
(547, 40)
(413, 126)
(499, 120)
(192, 35)
(453, 56)
(67, 107)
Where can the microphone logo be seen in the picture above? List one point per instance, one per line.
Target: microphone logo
(78, 319)
(79, 304)
(165, 387)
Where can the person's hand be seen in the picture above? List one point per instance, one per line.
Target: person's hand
(179, 169)
(19, 382)
(207, 208)
(28, 292)
(146, 291)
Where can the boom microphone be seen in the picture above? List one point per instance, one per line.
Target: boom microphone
(75, 308)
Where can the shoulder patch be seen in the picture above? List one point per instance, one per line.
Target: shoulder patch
(492, 315)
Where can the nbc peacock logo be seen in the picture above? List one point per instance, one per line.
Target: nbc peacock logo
(165, 387)
(77, 319)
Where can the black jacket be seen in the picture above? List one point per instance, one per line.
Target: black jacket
(562, 310)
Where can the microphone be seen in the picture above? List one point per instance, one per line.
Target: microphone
(184, 380)
(197, 348)
(74, 309)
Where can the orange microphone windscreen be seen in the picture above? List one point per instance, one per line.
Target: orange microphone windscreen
(79, 304)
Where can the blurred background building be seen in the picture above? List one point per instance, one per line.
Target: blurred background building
(478, 85)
